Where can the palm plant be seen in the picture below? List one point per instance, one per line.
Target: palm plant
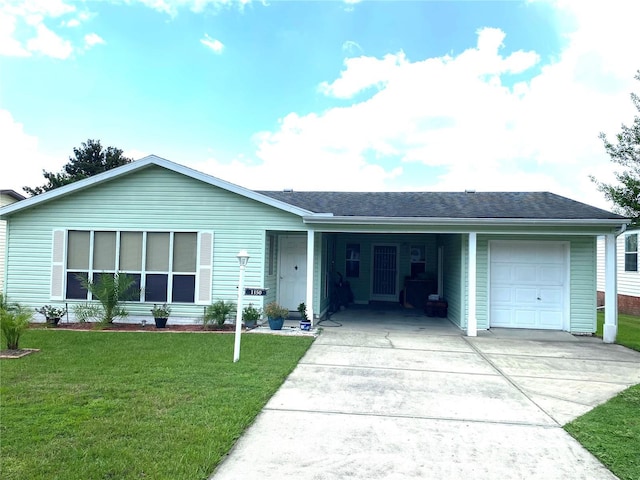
(111, 289)
(14, 320)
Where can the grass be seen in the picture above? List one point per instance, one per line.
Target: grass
(611, 431)
(628, 330)
(107, 405)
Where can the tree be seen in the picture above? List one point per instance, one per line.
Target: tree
(626, 194)
(89, 160)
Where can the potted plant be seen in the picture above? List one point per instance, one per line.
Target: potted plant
(216, 314)
(276, 315)
(52, 314)
(305, 323)
(250, 316)
(161, 314)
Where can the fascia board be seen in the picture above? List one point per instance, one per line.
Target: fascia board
(605, 224)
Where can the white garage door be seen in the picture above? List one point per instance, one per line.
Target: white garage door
(527, 285)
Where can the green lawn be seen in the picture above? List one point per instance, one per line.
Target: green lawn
(628, 330)
(113, 405)
(611, 431)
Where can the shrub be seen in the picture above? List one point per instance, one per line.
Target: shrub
(14, 320)
(111, 289)
(218, 313)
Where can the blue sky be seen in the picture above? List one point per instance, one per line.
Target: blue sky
(323, 95)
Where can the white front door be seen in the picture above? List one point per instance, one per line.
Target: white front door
(528, 284)
(292, 270)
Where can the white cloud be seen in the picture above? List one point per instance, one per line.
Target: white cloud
(172, 7)
(49, 43)
(74, 22)
(9, 46)
(212, 43)
(92, 39)
(351, 47)
(22, 151)
(461, 121)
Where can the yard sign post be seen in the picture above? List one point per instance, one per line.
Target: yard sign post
(243, 259)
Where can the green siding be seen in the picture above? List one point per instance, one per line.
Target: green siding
(453, 280)
(150, 199)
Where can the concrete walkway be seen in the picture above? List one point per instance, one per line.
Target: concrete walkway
(399, 396)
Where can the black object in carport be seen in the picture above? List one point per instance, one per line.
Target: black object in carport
(436, 308)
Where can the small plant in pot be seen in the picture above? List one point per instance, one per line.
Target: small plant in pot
(217, 313)
(305, 323)
(52, 314)
(276, 314)
(250, 316)
(161, 314)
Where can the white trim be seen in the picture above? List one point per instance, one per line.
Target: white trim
(310, 273)
(610, 328)
(472, 321)
(58, 265)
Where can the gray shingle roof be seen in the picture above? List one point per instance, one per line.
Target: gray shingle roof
(526, 205)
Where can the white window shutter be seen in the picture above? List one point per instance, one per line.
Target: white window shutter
(57, 265)
(205, 269)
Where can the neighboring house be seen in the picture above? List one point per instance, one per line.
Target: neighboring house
(7, 197)
(628, 273)
(515, 260)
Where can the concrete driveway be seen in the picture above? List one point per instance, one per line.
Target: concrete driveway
(393, 395)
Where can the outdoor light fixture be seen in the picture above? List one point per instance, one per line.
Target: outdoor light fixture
(243, 259)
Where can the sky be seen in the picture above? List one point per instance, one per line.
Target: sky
(367, 95)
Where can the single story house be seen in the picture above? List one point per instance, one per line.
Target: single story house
(506, 259)
(7, 197)
(628, 273)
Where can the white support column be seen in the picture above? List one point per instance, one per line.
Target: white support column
(472, 322)
(310, 276)
(610, 329)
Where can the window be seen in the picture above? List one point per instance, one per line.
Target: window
(353, 260)
(162, 263)
(631, 253)
(418, 260)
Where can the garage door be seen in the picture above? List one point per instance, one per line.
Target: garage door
(527, 285)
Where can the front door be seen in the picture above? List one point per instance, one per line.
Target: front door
(384, 280)
(292, 285)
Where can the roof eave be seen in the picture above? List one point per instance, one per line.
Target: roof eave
(448, 221)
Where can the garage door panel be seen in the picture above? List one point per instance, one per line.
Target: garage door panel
(550, 319)
(526, 295)
(550, 297)
(525, 318)
(550, 274)
(502, 294)
(525, 273)
(501, 316)
(527, 284)
(501, 274)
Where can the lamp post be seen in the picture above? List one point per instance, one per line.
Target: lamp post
(243, 259)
